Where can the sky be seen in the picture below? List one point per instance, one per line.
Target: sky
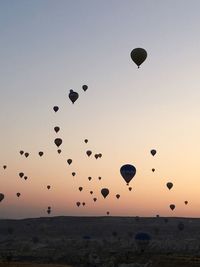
(49, 47)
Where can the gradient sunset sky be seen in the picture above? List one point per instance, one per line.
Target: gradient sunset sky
(49, 47)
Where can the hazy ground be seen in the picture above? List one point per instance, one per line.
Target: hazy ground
(99, 241)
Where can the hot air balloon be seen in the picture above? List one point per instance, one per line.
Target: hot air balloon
(172, 206)
(26, 154)
(95, 199)
(99, 177)
(73, 96)
(25, 177)
(18, 194)
(100, 155)
(80, 188)
(48, 187)
(55, 108)
(78, 204)
(21, 152)
(153, 152)
(59, 151)
(91, 192)
(89, 152)
(89, 178)
(142, 240)
(86, 141)
(107, 212)
(117, 196)
(104, 192)
(83, 203)
(4, 166)
(49, 211)
(96, 156)
(130, 188)
(69, 161)
(56, 129)
(186, 202)
(73, 173)
(1, 197)
(169, 185)
(153, 170)
(41, 153)
(21, 174)
(138, 55)
(84, 87)
(128, 172)
(58, 141)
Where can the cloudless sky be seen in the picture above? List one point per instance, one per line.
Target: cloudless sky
(49, 47)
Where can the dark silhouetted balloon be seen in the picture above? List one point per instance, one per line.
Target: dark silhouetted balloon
(41, 153)
(95, 199)
(21, 152)
(104, 192)
(172, 206)
(73, 173)
(59, 151)
(99, 177)
(128, 172)
(117, 196)
(58, 141)
(80, 188)
(25, 177)
(130, 188)
(56, 129)
(142, 240)
(48, 187)
(78, 204)
(1, 197)
(69, 161)
(73, 96)
(26, 154)
(153, 170)
(138, 55)
(84, 87)
(89, 178)
(186, 202)
(89, 152)
(169, 185)
(96, 156)
(55, 108)
(153, 152)
(107, 212)
(91, 192)
(83, 203)
(21, 174)
(100, 155)
(49, 211)
(86, 141)
(4, 166)
(18, 194)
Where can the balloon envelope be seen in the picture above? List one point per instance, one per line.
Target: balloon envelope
(58, 141)
(172, 206)
(55, 108)
(153, 152)
(104, 192)
(56, 129)
(1, 197)
(73, 96)
(84, 87)
(169, 185)
(69, 161)
(138, 55)
(128, 171)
